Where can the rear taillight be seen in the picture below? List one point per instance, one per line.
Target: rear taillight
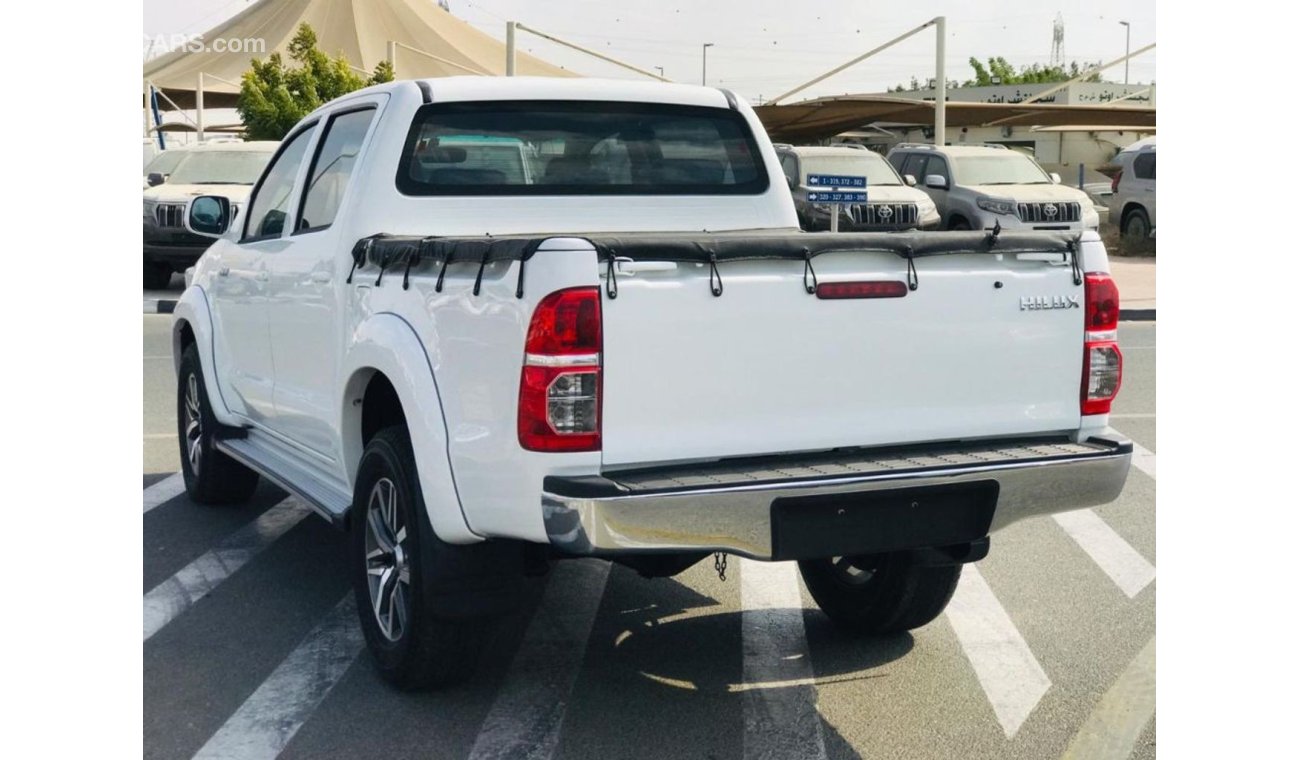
(1103, 365)
(1114, 181)
(559, 388)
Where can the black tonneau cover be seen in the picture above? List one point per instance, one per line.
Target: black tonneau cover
(389, 252)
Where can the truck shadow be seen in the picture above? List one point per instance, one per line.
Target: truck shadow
(664, 655)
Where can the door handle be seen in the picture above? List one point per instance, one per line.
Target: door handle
(223, 272)
(321, 277)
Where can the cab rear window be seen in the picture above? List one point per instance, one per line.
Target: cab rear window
(579, 148)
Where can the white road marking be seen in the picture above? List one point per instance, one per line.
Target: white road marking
(780, 722)
(1012, 679)
(1129, 569)
(526, 717)
(269, 718)
(1116, 723)
(152, 436)
(166, 601)
(164, 490)
(1145, 460)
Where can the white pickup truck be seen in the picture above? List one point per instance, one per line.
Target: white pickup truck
(484, 324)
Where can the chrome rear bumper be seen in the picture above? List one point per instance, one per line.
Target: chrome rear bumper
(730, 507)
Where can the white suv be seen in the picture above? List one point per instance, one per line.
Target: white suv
(1133, 191)
(982, 187)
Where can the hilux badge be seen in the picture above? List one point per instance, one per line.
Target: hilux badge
(1037, 303)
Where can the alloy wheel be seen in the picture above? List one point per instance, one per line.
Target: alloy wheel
(193, 425)
(388, 572)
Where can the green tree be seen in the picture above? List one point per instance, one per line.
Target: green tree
(274, 97)
(1000, 69)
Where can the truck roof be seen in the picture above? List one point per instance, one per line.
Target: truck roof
(466, 88)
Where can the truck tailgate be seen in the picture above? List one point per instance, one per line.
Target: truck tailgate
(768, 368)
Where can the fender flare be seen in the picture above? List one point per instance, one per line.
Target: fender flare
(386, 343)
(192, 310)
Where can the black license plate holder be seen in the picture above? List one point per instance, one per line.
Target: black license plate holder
(873, 522)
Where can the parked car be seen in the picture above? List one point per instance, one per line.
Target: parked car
(982, 187)
(476, 374)
(1133, 196)
(162, 165)
(230, 168)
(1099, 193)
(891, 204)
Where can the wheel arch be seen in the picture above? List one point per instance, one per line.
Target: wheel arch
(387, 365)
(1129, 208)
(192, 325)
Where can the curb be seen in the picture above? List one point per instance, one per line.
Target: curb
(168, 306)
(1137, 315)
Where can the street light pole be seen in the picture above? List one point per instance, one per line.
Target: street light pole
(704, 64)
(1127, 32)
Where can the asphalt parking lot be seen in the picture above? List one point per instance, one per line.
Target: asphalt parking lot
(251, 648)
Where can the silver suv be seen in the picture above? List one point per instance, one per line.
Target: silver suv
(1133, 191)
(982, 187)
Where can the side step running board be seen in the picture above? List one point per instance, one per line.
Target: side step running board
(329, 502)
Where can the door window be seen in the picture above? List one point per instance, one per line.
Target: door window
(1144, 166)
(936, 165)
(913, 166)
(270, 204)
(331, 167)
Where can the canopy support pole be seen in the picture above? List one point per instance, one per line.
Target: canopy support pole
(860, 58)
(510, 48)
(198, 109)
(590, 52)
(1087, 74)
(940, 82)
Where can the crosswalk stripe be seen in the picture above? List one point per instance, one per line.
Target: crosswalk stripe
(1129, 569)
(191, 583)
(779, 722)
(1144, 459)
(269, 718)
(1115, 725)
(1011, 677)
(164, 491)
(526, 717)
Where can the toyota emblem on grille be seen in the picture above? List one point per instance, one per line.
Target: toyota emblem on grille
(885, 212)
(1050, 209)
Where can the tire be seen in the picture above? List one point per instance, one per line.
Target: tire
(959, 223)
(156, 276)
(1137, 227)
(879, 594)
(412, 646)
(210, 476)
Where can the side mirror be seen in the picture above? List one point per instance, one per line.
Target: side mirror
(910, 180)
(1056, 178)
(209, 216)
(155, 179)
(936, 181)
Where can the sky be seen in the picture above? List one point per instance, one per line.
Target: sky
(762, 48)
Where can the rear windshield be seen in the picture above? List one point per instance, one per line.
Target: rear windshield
(220, 167)
(579, 148)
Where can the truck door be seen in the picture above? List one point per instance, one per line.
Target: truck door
(304, 312)
(239, 305)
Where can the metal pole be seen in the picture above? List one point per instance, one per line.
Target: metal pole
(844, 66)
(589, 52)
(510, 48)
(835, 217)
(704, 64)
(941, 83)
(148, 106)
(661, 70)
(1128, 29)
(392, 56)
(198, 109)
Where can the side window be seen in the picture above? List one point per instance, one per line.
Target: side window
(937, 165)
(1144, 166)
(331, 167)
(791, 167)
(913, 166)
(270, 206)
(897, 160)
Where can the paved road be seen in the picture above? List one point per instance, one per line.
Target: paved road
(252, 650)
